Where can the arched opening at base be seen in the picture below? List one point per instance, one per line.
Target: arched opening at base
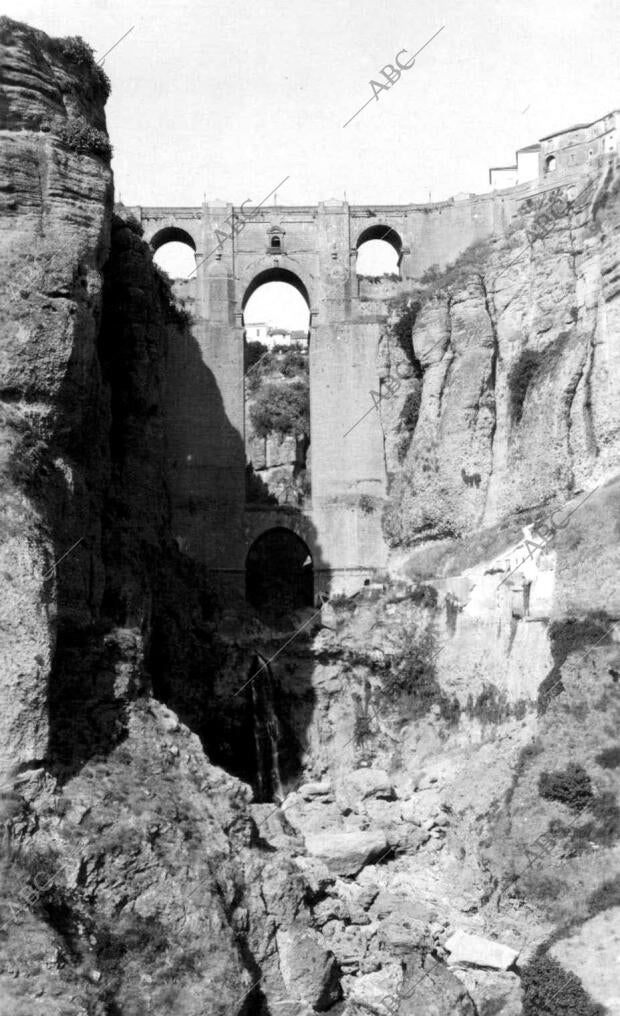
(279, 574)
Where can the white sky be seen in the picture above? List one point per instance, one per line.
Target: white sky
(226, 99)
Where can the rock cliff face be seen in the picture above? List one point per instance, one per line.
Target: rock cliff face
(515, 345)
(107, 799)
(434, 761)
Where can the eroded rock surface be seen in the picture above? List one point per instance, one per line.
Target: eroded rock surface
(418, 723)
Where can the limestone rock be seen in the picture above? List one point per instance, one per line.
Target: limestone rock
(316, 874)
(401, 935)
(309, 972)
(346, 853)
(375, 993)
(330, 909)
(430, 988)
(349, 945)
(319, 789)
(361, 784)
(409, 811)
(493, 990)
(311, 815)
(481, 952)
(389, 904)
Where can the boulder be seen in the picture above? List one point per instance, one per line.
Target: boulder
(330, 909)
(401, 935)
(346, 853)
(429, 987)
(349, 946)
(316, 789)
(479, 951)
(377, 992)
(409, 812)
(362, 784)
(493, 990)
(309, 972)
(311, 815)
(315, 873)
(389, 905)
(382, 813)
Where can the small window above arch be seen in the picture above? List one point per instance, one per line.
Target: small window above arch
(276, 243)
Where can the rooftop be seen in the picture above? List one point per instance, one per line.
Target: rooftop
(579, 126)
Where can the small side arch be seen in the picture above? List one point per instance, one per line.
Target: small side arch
(379, 251)
(174, 251)
(171, 234)
(381, 232)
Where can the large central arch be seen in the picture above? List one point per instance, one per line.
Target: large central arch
(275, 274)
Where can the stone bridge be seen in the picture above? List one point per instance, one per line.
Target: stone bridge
(313, 247)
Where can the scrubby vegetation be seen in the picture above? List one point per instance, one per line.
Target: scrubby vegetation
(549, 990)
(82, 137)
(282, 408)
(175, 312)
(492, 705)
(262, 364)
(252, 353)
(410, 677)
(470, 264)
(78, 52)
(520, 379)
(407, 310)
(366, 504)
(571, 786)
(136, 227)
(607, 895)
(609, 758)
(568, 636)
(408, 420)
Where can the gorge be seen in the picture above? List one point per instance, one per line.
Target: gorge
(397, 793)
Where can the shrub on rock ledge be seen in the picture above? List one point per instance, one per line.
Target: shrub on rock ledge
(82, 137)
(78, 52)
(549, 990)
(282, 408)
(571, 786)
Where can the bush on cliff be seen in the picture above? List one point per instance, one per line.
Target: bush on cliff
(519, 381)
(78, 52)
(550, 990)
(252, 353)
(402, 329)
(282, 408)
(609, 758)
(571, 786)
(81, 136)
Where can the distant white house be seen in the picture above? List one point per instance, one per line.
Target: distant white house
(258, 331)
(525, 168)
